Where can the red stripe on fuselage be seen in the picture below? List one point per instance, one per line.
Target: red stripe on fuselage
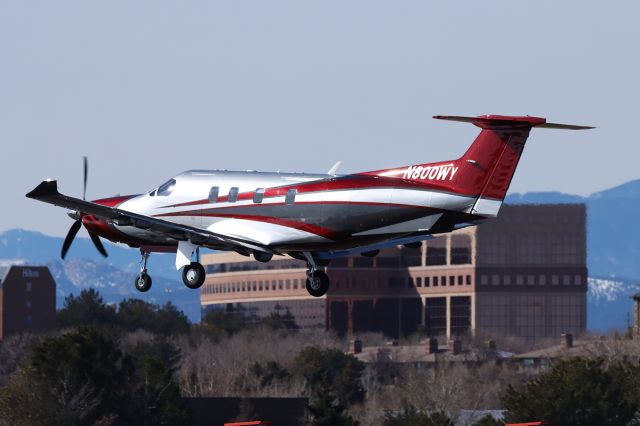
(350, 184)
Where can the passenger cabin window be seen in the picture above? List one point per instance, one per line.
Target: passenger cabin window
(233, 194)
(166, 188)
(290, 198)
(213, 194)
(258, 196)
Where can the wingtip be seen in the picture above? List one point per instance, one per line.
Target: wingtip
(47, 187)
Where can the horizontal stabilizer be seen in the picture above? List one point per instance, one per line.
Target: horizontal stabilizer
(489, 121)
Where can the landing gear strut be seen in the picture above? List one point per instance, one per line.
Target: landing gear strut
(143, 280)
(317, 280)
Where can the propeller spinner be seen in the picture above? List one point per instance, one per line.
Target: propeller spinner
(78, 222)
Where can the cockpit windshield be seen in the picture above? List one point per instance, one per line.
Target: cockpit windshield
(165, 189)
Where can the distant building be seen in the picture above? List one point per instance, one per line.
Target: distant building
(522, 274)
(27, 300)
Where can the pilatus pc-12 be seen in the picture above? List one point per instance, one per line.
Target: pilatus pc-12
(312, 217)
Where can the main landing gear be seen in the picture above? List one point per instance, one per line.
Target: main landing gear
(317, 280)
(193, 275)
(143, 280)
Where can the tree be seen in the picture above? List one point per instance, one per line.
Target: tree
(271, 372)
(88, 308)
(488, 420)
(334, 380)
(82, 378)
(77, 378)
(155, 395)
(578, 391)
(411, 417)
(134, 314)
(170, 320)
(227, 322)
(277, 321)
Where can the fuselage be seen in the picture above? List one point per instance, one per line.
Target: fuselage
(291, 211)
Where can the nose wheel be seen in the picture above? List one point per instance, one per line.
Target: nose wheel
(193, 275)
(143, 280)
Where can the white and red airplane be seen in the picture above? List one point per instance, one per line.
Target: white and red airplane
(312, 217)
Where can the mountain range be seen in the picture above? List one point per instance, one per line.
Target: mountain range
(85, 268)
(613, 259)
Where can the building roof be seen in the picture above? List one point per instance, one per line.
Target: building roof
(579, 348)
(420, 353)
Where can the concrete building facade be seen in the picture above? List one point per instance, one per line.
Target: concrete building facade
(523, 274)
(27, 300)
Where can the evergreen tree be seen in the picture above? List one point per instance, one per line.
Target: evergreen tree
(411, 417)
(88, 308)
(578, 391)
(334, 380)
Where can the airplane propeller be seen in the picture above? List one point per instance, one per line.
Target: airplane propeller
(78, 222)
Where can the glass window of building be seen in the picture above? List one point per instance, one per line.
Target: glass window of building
(437, 251)
(484, 279)
(452, 280)
(460, 279)
(577, 280)
(435, 281)
(495, 279)
(460, 249)
(542, 280)
(555, 279)
(419, 281)
(468, 279)
(519, 279)
(531, 279)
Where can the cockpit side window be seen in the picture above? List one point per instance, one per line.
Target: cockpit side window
(166, 188)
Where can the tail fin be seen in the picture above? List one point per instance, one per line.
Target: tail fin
(485, 171)
(488, 166)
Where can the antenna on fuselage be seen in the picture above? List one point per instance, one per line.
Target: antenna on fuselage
(333, 170)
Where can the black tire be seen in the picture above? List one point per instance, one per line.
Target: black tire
(317, 284)
(143, 282)
(193, 275)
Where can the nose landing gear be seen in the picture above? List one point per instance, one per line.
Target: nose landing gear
(143, 280)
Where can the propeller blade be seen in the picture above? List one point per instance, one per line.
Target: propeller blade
(86, 172)
(69, 238)
(98, 244)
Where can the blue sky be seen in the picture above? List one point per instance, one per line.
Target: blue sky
(147, 89)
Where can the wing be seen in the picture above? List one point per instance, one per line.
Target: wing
(47, 192)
